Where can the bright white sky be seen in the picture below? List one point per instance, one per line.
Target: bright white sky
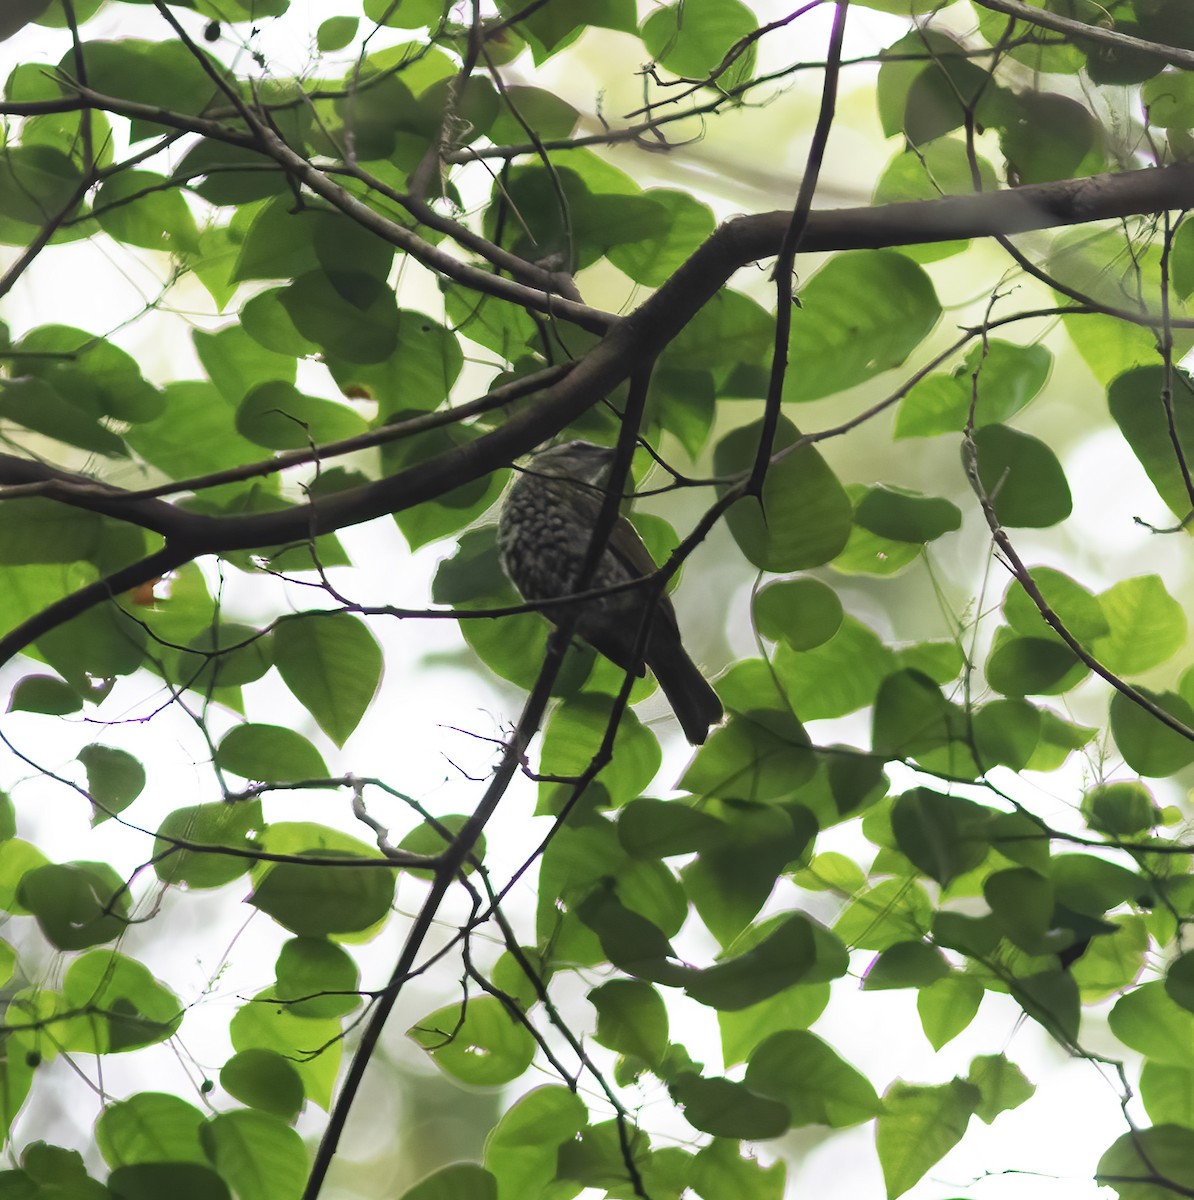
(406, 737)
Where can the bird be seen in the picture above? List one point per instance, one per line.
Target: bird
(543, 539)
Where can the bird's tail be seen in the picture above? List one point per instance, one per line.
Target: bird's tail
(693, 700)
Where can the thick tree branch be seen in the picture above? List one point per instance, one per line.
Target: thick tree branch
(631, 341)
(1095, 33)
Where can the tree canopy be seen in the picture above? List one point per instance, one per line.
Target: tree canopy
(915, 462)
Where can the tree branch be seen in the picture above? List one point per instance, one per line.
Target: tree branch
(631, 341)
(1095, 33)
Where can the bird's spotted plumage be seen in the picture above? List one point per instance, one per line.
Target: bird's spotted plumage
(543, 539)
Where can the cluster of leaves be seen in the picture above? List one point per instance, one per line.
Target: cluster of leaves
(296, 203)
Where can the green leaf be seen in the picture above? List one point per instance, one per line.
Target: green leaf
(551, 116)
(1006, 732)
(572, 737)
(804, 613)
(861, 314)
(562, 215)
(283, 243)
(215, 825)
(1146, 626)
(231, 175)
(944, 836)
(936, 404)
(195, 435)
(95, 646)
(1109, 346)
(924, 90)
(268, 323)
(1022, 478)
(332, 663)
(1148, 1164)
(894, 910)
(411, 14)
(652, 261)
(34, 404)
(1022, 904)
(114, 778)
(1168, 1094)
(335, 33)
(727, 1109)
(838, 677)
(1079, 611)
(150, 1127)
(649, 828)
(142, 208)
(127, 1008)
(351, 314)
(906, 964)
(1049, 137)
(1112, 961)
(794, 949)
(744, 760)
(279, 417)
(1121, 809)
(1148, 746)
(729, 332)
(1179, 981)
(60, 1172)
(417, 377)
(1001, 1083)
(1136, 400)
(947, 1006)
(257, 1153)
(937, 168)
(793, 1008)
(44, 694)
(180, 1181)
(1009, 377)
(457, 1181)
(807, 1076)
(1026, 666)
(719, 1170)
(1051, 998)
(631, 1019)
(317, 979)
(692, 39)
(40, 531)
(730, 882)
(1092, 885)
(520, 1150)
(919, 1125)
(479, 1043)
(37, 183)
(237, 364)
(17, 859)
(163, 74)
(77, 904)
(942, 662)
(317, 900)
(311, 1047)
(905, 516)
(269, 753)
(831, 871)
(1181, 254)
(89, 372)
(225, 655)
(912, 718)
(263, 1079)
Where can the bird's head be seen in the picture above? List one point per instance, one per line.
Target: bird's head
(585, 462)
